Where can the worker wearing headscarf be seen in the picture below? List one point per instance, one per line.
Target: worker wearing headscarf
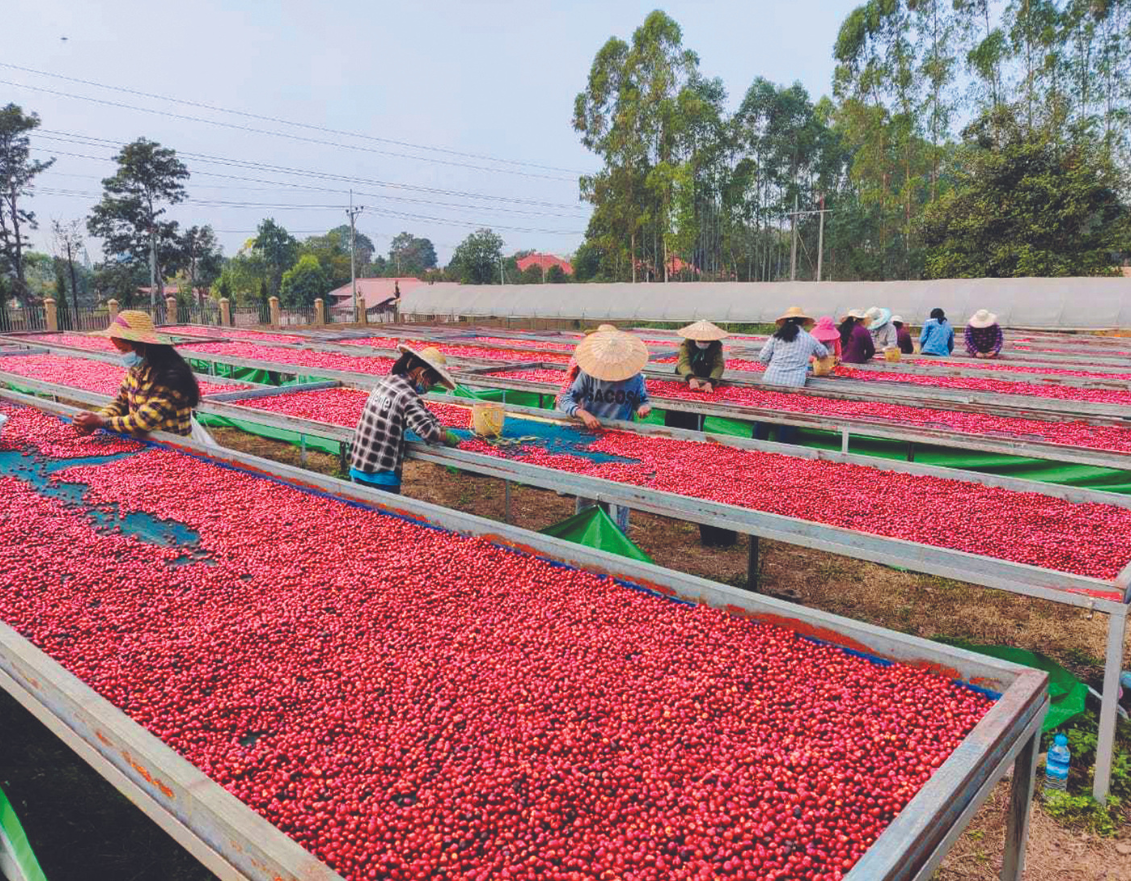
(159, 391)
(983, 336)
(884, 334)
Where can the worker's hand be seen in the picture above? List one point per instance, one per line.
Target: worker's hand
(451, 439)
(87, 422)
(591, 421)
(643, 410)
(705, 387)
(693, 384)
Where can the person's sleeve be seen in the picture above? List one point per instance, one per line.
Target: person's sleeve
(683, 365)
(571, 400)
(950, 340)
(968, 340)
(160, 407)
(719, 366)
(120, 406)
(869, 347)
(999, 341)
(767, 351)
(820, 349)
(923, 335)
(642, 391)
(423, 421)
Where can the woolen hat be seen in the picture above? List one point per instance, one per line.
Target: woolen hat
(611, 356)
(135, 326)
(983, 318)
(703, 331)
(794, 312)
(435, 360)
(825, 331)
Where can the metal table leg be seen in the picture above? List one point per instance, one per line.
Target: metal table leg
(1113, 664)
(1020, 805)
(753, 579)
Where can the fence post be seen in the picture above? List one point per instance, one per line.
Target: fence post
(319, 312)
(362, 315)
(112, 308)
(276, 318)
(52, 315)
(171, 310)
(225, 312)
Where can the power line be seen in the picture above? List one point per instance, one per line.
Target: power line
(106, 143)
(281, 121)
(259, 131)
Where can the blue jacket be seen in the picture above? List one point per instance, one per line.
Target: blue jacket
(936, 338)
(605, 400)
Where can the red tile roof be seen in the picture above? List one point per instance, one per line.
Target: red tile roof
(544, 262)
(374, 291)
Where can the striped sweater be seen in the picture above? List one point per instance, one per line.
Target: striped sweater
(143, 406)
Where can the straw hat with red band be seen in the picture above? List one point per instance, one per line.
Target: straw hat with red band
(703, 331)
(135, 327)
(435, 360)
(611, 357)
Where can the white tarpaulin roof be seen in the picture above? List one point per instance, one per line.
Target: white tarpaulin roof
(1082, 303)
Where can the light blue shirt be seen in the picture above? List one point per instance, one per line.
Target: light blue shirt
(788, 363)
(605, 400)
(936, 338)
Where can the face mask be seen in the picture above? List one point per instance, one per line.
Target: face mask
(421, 388)
(699, 344)
(131, 359)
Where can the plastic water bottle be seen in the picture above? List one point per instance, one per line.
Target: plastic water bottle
(1056, 766)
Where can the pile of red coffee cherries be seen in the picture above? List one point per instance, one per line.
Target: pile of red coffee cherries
(296, 357)
(99, 377)
(407, 703)
(31, 431)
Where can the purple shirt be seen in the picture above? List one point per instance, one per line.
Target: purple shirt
(859, 349)
(984, 340)
(906, 344)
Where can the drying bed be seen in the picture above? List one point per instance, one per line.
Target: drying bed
(992, 386)
(1030, 528)
(374, 366)
(392, 708)
(1075, 433)
(100, 377)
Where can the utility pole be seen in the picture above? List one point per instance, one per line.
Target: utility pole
(353, 213)
(793, 247)
(821, 239)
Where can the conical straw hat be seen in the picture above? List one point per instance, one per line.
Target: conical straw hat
(434, 358)
(703, 331)
(135, 326)
(794, 312)
(611, 356)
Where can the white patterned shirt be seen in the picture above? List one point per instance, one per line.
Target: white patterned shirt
(788, 363)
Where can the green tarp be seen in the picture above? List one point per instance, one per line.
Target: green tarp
(596, 529)
(220, 370)
(15, 842)
(1066, 693)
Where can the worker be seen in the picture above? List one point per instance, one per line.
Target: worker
(159, 391)
(856, 346)
(884, 334)
(572, 368)
(609, 385)
(392, 408)
(937, 336)
(984, 338)
(903, 333)
(701, 364)
(826, 332)
(786, 355)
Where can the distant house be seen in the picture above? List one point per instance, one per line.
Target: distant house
(375, 292)
(544, 262)
(170, 290)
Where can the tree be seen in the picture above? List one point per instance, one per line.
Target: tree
(1031, 207)
(409, 255)
(241, 277)
(363, 245)
(556, 275)
(476, 260)
(303, 283)
(119, 280)
(332, 251)
(68, 241)
(128, 219)
(202, 260)
(278, 250)
(17, 172)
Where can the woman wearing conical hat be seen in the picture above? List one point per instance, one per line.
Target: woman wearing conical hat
(701, 362)
(159, 391)
(609, 383)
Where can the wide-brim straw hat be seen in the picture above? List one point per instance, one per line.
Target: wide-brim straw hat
(611, 356)
(703, 331)
(983, 318)
(434, 358)
(135, 326)
(795, 312)
(879, 317)
(825, 331)
(854, 313)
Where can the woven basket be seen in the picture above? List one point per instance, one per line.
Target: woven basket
(488, 418)
(892, 353)
(824, 366)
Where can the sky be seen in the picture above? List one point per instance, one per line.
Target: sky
(446, 116)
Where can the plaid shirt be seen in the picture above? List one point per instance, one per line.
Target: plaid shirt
(378, 441)
(143, 406)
